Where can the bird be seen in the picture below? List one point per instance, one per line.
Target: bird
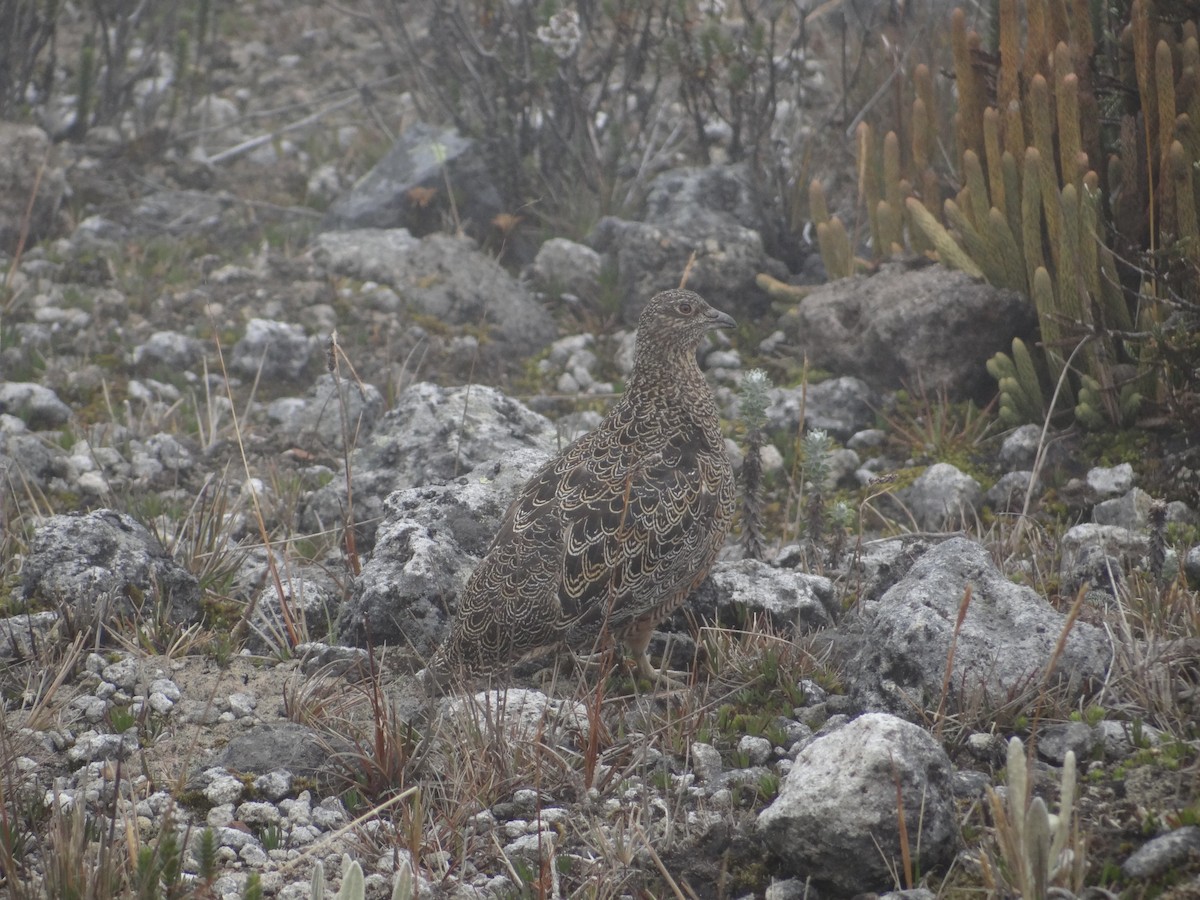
(614, 533)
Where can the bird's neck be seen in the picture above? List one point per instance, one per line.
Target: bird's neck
(668, 380)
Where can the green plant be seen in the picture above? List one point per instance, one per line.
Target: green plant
(1034, 850)
(271, 837)
(546, 89)
(1089, 219)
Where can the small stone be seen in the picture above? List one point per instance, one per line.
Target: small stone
(756, 749)
(124, 674)
(167, 688)
(242, 705)
(223, 788)
(1162, 853)
(1019, 449)
(1122, 738)
(160, 703)
(1056, 741)
(867, 439)
(274, 785)
(706, 761)
(1113, 482)
(982, 746)
(254, 812)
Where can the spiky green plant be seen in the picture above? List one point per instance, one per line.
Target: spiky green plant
(815, 448)
(1035, 850)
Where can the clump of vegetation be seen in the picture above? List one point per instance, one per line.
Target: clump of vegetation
(562, 96)
(1075, 155)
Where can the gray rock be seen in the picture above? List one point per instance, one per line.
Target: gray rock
(699, 198)
(22, 636)
(449, 278)
(1191, 566)
(39, 407)
(943, 498)
(867, 439)
(176, 212)
(649, 258)
(316, 419)
(1055, 741)
(101, 564)
(427, 545)
(1008, 494)
(788, 889)
(170, 349)
(267, 748)
(756, 749)
(27, 157)
(91, 746)
(517, 715)
(272, 351)
(838, 803)
(841, 407)
(1006, 640)
(786, 598)
(1019, 448)
(367, 254)
(713, 210)
(1120, 739)
(1104, 483)
(328, 660)
(311, 595)
(1161, 854)
(383, 197)
(902, 325)
(568, 267)
(432, 434)
(706, 761)
(1099, 555)
(882, 564)
(1130, 511)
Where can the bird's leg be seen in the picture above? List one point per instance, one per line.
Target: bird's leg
(637, 639)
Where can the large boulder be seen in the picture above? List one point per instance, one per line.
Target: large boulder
(432, 435)
(835, 819)
(1001, 649)
(708, 211)
(104, 564)
(448, 278)
(430, 540)
(423, 158)
(929, 325)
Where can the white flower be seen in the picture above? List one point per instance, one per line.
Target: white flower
(562, 33)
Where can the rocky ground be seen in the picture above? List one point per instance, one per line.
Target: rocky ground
(259, 422)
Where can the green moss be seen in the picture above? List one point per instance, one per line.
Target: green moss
(1112, 448)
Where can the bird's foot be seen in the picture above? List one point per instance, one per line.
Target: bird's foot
(664, 677)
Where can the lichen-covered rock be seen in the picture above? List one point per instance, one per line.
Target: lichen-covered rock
(1002, 648)
(102, 564)
(838, 803)
(943, 498)
(432, 435)
(929, 325)
(329, 413)
(271, 351)
(430, 540)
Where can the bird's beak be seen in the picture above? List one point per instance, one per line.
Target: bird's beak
(718, 319)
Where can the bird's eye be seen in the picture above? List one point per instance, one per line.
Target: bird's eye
(685, 308)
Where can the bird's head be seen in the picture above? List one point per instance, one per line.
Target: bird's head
(679, 319)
